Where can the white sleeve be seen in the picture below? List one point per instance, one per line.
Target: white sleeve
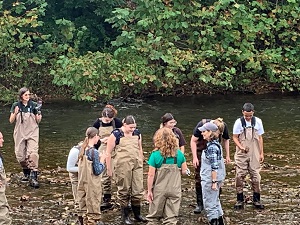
(259, 126)
(72, 160)
(237, 127)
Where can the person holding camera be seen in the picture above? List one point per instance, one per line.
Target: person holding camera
(27, 115)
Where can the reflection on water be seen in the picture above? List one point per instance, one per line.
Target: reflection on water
(64, 124)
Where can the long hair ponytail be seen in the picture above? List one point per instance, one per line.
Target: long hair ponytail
(89, 134)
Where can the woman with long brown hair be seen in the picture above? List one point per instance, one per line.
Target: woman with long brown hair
(106, 123)
(128, 167)
(90, 166)
(27, 115)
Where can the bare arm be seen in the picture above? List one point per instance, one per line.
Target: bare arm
(226, 146)
(236, 141)
(261, 148)
(182, 148)
(141, 148)
(150, 180)
(38, 118)
(214, 185)
(111, 144)
(13, 115)
(184, 168)
(193, 144)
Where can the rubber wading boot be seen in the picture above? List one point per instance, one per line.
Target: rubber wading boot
(214, 222)
(26, 173)
(256, 201)
(80, 220)
(136, 209)
(33, 180)
(199, 199)
(199, 206)
(221, 220)
(106, 202)
(240, 201)
(125, 216)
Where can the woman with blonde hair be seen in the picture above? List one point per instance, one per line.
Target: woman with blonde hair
(89, 190)
(166, 163)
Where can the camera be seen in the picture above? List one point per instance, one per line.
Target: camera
(38, 107)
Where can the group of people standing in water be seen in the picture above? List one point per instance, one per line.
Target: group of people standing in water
(112, 153)
(119, 144)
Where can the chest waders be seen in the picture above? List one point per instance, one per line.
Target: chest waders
(128, 168)
(248, 162)
(211, 200)
(201, 145)
(89, 192)
(166, 194)
(106, 180)
(26, 138)
(4, 209)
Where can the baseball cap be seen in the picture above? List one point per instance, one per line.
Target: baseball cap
(208, 126)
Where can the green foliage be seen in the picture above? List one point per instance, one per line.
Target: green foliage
(102, 48)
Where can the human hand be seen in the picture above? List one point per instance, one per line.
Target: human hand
(261, 157)
(214, 186)
(195, 162)
(150, 196)
(16, 111)
(228, 160)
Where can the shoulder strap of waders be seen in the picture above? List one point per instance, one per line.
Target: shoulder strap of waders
(253, 122)
(175, 160)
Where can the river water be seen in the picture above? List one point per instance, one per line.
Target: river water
(64, 124)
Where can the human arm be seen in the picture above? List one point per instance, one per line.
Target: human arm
(141, 148)
(226, 146)
(13, 113)
(261, 148)
(72, 160)
(38, 118)
(193, 144)
(182, 141)
(111, 144)
(212, 152)
(235, 138)
(151, 173)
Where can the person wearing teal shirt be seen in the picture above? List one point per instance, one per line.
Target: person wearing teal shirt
(166, 164)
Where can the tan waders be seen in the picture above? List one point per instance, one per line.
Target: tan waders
(106, 180)
(89, 192)
(26, 137)
(248, 161)
(166, 195)
(128, 169)
(4, 208)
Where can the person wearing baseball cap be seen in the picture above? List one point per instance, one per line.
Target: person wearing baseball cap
(212, 173)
